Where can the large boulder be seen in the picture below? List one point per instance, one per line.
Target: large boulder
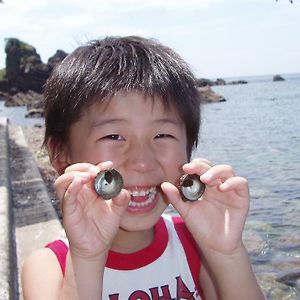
(207, 95)
(24, 67)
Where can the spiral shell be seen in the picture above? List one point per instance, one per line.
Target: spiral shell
(191, 188)
(108, 183)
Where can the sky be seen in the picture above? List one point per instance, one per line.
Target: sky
(218, 38)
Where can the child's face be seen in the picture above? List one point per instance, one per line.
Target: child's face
(145, 142)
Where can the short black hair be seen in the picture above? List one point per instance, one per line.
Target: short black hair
(99, 69)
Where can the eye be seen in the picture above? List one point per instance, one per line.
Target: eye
(114, 137)
(163, 135)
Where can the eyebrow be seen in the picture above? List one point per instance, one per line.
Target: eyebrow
(103, 122)
(106, 121)
(173, 121)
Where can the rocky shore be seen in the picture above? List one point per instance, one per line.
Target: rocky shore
(22, 80)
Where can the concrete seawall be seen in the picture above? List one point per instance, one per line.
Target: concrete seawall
(27, 218)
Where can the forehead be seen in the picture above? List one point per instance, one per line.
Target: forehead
(132, 103)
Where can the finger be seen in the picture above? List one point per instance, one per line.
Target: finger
(88, 167)
(69, 203)
(63, 182)
(174, 198)
(81, 167)
(203, 160)
(197, 166)
(217, 174)
(237, 184)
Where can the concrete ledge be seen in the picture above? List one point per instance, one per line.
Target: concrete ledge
(35, 219)
(6, 278)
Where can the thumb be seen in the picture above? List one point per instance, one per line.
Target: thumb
(120, 203)
(175, 198)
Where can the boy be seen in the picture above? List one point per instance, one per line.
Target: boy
(131, 104)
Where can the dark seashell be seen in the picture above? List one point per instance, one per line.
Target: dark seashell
(108, 183)
(191, 187)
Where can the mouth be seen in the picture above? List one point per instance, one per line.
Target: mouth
(143, 199)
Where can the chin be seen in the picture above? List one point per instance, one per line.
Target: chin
(138, 221)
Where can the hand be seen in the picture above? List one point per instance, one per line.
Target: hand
(216, 221)
(90, 222)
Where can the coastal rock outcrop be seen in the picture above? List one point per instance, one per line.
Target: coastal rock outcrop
(25, 73)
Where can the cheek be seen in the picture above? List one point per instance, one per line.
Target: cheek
(85, 153)
(172, 163)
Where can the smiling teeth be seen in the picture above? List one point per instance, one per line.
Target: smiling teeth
(143, 192)
(151, 195)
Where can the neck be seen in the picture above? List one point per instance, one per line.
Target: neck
(132, 241)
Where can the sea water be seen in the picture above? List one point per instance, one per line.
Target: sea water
(16, 115)
(257, 131)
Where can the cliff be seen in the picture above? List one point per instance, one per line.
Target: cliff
(25, 74)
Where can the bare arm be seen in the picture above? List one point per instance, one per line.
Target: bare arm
(216, 222)
(91, 225)
(42, 277)
(229, 277)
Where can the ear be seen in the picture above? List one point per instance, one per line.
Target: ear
(58, 155)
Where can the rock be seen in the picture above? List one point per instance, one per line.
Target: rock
(24, 68)
(25, 75)
(289, 278)
(238, 82)
(35, 113)
(278, 78)
(220, 81)
(276, 290)
(202, 82)
(207, 95)
(56, 58)
(30, 99)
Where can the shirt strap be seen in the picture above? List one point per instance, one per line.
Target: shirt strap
(191, 250)
(60, 249)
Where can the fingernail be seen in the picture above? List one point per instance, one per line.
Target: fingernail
(94, 169)
(206, 176)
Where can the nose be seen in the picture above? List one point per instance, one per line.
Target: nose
(140, 157)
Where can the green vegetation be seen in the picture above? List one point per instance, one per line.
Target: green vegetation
(2, 74)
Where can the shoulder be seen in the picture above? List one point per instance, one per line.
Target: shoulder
(41, 269)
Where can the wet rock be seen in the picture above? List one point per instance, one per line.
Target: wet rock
(207, 95)
(255, 244)
(289, 278)
(35, 113)
(276, 290)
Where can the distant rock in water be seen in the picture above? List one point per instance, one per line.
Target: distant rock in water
(207, 95)
(25, 73)
(201, 82)
(238, 82)
(278, 78)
